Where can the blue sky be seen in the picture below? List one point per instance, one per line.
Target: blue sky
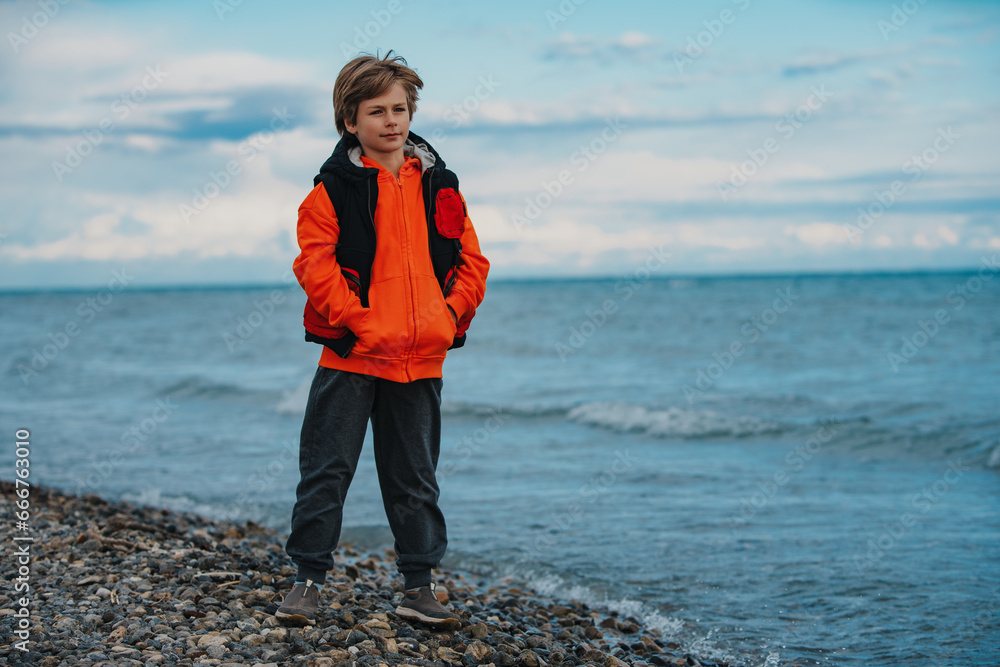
(176, 140)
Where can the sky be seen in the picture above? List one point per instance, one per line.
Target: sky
(174, 141)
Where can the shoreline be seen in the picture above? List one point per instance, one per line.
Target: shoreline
(113, 583)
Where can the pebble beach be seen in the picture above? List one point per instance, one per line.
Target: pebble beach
(118, 584)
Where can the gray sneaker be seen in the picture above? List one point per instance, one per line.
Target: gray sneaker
(422, 605)
(299, 606)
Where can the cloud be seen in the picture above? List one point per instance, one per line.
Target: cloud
(494, 117)
(71, 46)
(947, 234)
(719, 237)
(609, 177)
(562, 241)
(632, 44)
(251, 217)
(818, 234)
(224, 94)
(684, 133)
(822, 62)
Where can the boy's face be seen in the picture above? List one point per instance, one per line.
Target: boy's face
(383, 123)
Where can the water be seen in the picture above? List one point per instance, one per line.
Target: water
(762, 468)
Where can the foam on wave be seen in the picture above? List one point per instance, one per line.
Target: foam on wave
(672, 422)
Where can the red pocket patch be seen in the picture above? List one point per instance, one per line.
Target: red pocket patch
(449, 215)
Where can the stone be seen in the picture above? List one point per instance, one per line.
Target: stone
(380, 627)
(477, 653)
(628, 627)
(216, 651)
(204, 641)
(445, 653)
(534, 641)
(125, 653)
(188, 590)
(116, 635)
(503, 659)
(528, 659)
(274, 635)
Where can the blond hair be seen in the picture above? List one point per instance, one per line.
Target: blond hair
(367, 77)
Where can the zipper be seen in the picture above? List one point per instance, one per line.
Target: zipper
(371, 217)
(430, 189)
(409, 277)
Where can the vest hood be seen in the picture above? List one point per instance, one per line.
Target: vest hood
(346, 159)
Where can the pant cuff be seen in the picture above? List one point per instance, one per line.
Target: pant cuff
(305, 574)
(417, 579)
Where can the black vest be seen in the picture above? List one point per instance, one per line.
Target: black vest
(353, 191)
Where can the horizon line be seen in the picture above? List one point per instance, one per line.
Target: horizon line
(165, 287)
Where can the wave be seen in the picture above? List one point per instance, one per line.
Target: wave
(672, 422)
(153, 496)
(555, 586)
(201, 387)
(463, 409)
(994, 459)
(274, 515)
(294, 402)
(871, 430)
(671, 629)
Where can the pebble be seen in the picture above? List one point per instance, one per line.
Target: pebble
(478, 652)
(129, 585)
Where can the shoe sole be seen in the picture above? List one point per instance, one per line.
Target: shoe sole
(414, 615)
(294, 619)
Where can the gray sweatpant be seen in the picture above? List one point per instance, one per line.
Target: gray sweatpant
(406, 427)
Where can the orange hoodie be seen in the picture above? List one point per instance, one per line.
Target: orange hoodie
(407, 329)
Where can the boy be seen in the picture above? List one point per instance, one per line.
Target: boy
(393, 275)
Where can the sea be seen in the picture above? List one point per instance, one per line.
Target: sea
(770, 470)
